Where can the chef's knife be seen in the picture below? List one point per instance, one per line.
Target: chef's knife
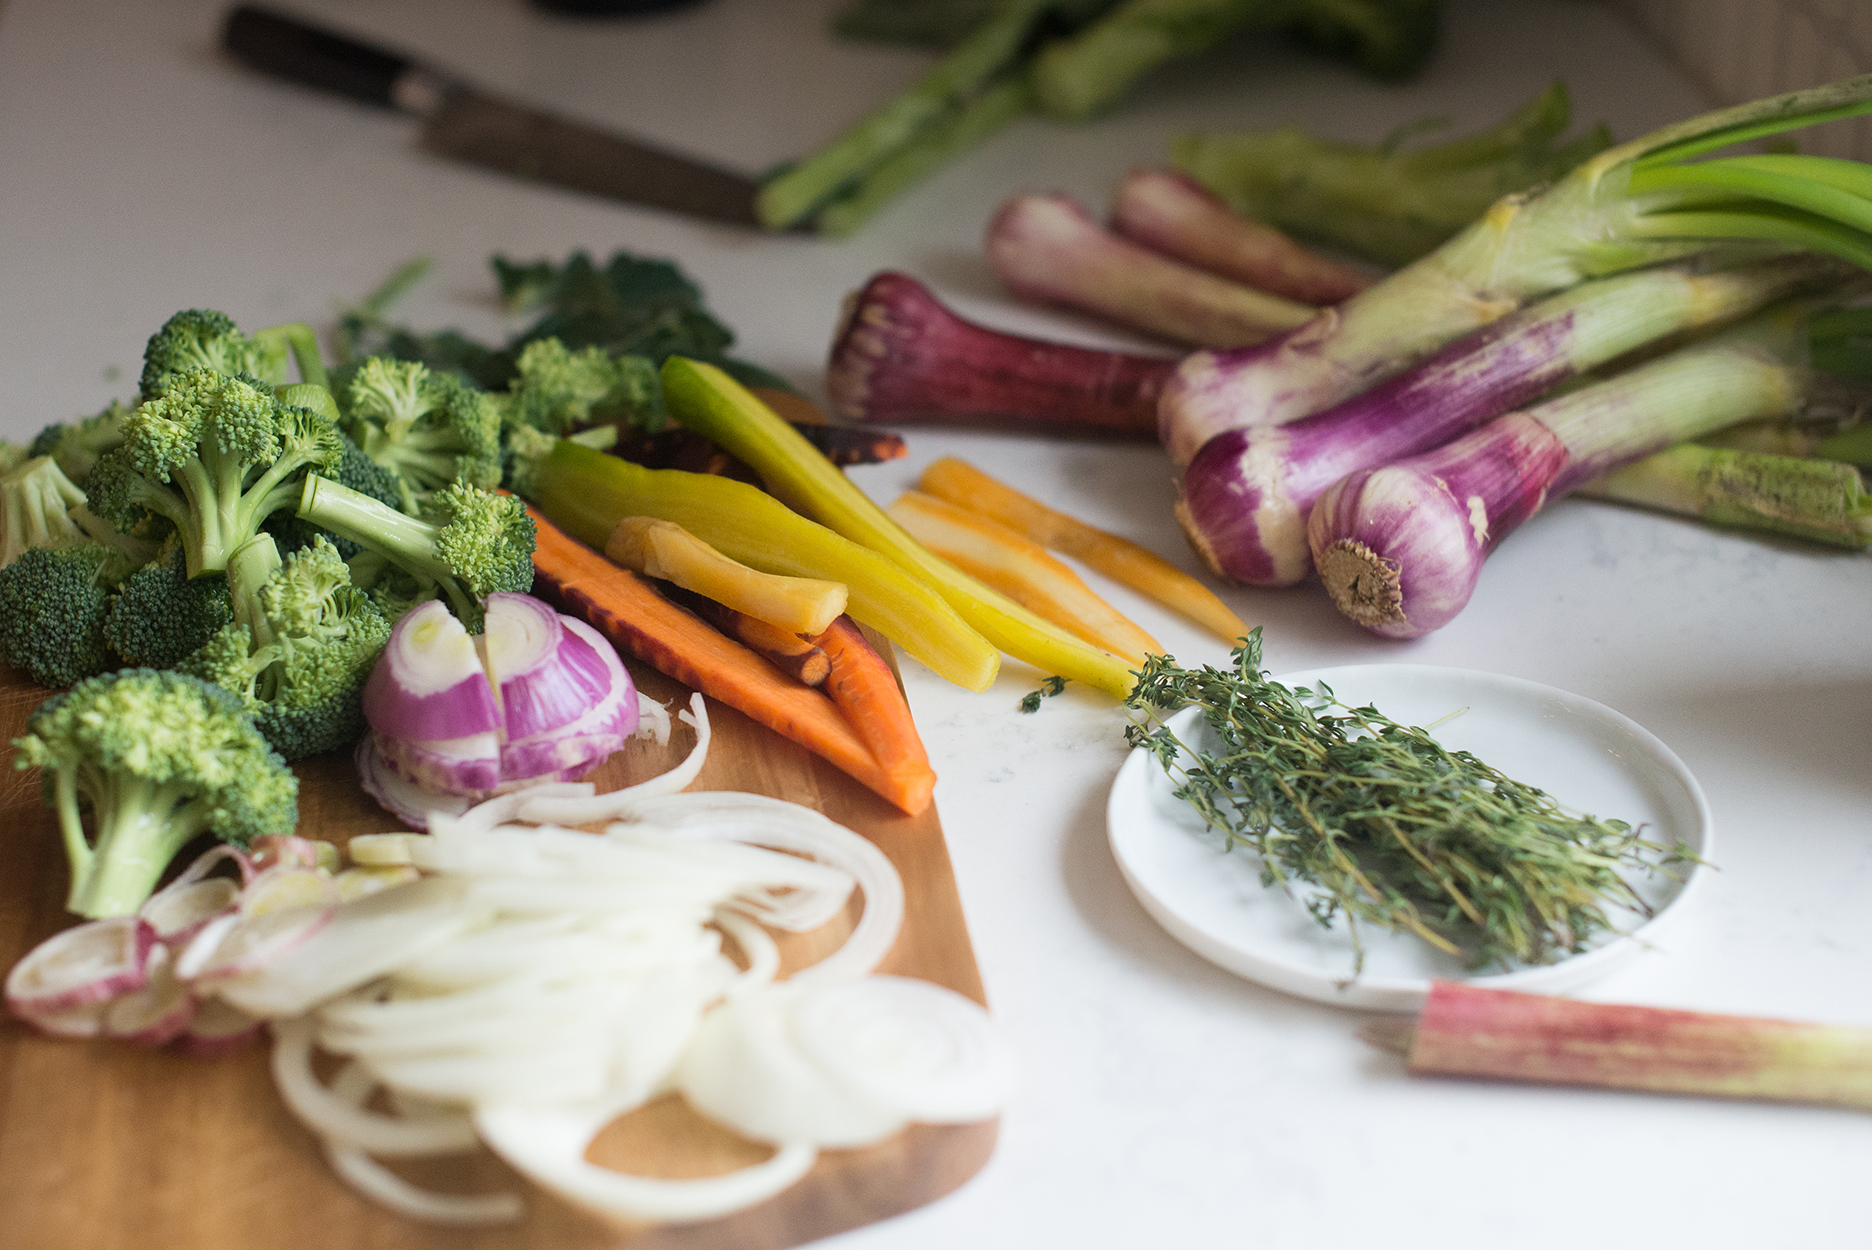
(462, 122)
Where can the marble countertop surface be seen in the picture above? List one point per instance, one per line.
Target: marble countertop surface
(1164, 1102)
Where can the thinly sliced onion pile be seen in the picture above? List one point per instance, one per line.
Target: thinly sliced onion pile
(536, 698)
(509, 980)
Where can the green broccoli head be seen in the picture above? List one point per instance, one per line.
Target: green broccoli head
(158, 758)
(36, 500)
(302, 645)
(559, 390)
(77, 446)
(429, 429)
(200, 338)
(469, 542)
(215, 456)
(53, 611)
(161, 614)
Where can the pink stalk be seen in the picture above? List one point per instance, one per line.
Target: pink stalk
(1172, 213)
(1047, 248)
(901, 357)
(1465, 1031)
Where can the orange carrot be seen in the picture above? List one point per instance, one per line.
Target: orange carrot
(865, 689)
(624, 608)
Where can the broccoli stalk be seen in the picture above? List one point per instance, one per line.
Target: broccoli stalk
(429, 429)
(215, 456)
(300, 648)
(36, 500)
(475, 543)
(158, 758)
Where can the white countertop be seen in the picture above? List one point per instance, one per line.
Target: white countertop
(1164, 1101)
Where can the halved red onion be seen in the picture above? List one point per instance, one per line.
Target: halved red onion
(154, 1014)
(549, 675)
(569, 751)
(217, 1028)
(430, 682)
(85, 964)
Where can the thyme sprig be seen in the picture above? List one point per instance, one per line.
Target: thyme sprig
(1386, 825)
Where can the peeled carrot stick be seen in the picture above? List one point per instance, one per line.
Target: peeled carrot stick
(1118, 558)
(624, 608)
(863, 687)
(1022, 570)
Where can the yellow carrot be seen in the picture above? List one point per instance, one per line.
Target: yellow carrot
(798, 605)
(1022, 570)
(708, 401)
(1119, 559)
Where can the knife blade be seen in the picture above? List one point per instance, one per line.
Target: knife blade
(467, 124)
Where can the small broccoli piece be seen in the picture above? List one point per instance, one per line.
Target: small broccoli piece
(77, 447)
(302, 645)
(36, 500)
(158, 758)
(215, 456)
(559, 390)
(429, 429)
(469, 544)
(200, 338)
(161, 614)
(53, 609)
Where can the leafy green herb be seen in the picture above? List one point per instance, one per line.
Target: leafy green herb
(1050, 686)
(1387, 825)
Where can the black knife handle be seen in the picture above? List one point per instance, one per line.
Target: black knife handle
(286, 47)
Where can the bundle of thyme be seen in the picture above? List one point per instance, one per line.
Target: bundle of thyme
(1388, 826)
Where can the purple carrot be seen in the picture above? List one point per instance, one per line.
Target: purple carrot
(1246, 494)
(1172, 213)
(1048, 249)
(901, 357)
(1400, 547)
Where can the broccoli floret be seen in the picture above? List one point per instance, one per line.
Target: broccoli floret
(36, 500)
(200, 338)
(77, 446)
(158, 758)
(215, 456)
(300, 649)
(161, 614)
(429, 429)
(469, 544)
(559, 390)
(53, 609)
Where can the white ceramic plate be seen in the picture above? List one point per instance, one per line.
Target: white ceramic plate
(1588, 757)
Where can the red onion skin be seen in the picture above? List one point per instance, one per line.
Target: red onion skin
(569, 751)
(562, 685)
(1431, 521)
(1246, 495)
(901, 357)
(393, 708)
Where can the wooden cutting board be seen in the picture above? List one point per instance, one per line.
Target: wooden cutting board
(109, 1147)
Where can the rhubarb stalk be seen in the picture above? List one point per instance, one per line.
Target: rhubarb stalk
(1048, 249)
(1600, 219)
(1245, 497)
(1174, 214)
(1400, 547)
(1468, 1031)
(900, 356)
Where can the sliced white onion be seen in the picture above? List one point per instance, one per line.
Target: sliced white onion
(288, 888)
(344, 1121)
(235, 946)
(548, 1145)
(746, 1070)
(87, 963)
(355, 883)
(379, 1183)
(757, 948)
(653, 720)
(918, 1048)
(430, 683)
